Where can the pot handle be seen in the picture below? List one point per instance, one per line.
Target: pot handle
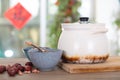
(100, 31)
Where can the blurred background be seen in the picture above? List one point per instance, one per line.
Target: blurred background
(44, 27)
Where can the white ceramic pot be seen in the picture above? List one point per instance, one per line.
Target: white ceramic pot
(83, 43)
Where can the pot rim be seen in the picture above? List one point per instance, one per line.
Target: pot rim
(78, 26)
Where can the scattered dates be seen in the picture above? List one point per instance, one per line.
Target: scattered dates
(17, 68)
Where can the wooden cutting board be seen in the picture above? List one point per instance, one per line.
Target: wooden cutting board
(112, 64)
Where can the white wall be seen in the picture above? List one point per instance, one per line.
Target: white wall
(106, 11)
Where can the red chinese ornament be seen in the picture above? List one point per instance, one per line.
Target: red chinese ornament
(18, 16)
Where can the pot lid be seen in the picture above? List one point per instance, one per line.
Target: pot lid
(83, 24)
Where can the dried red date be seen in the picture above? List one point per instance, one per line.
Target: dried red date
(28, 68)
(2, 68)
(12, 71)
(28, 64)
(21, 68)
(17, 64)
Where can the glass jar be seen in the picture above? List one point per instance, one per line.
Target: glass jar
(83, 43)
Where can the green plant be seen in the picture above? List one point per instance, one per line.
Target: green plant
(117, 22)
(67, 13)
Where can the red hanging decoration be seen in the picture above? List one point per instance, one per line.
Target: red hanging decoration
(18, 16)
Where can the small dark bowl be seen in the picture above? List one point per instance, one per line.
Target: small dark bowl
(44, 61)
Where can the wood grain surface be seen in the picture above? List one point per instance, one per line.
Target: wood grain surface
(57, 74)
(112, 64)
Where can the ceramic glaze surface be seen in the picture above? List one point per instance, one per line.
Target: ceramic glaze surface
(84, 43)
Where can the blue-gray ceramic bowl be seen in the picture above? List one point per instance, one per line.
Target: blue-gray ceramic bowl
(45, 61)
(25, 51)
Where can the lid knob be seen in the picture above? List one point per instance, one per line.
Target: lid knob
(84, 20)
